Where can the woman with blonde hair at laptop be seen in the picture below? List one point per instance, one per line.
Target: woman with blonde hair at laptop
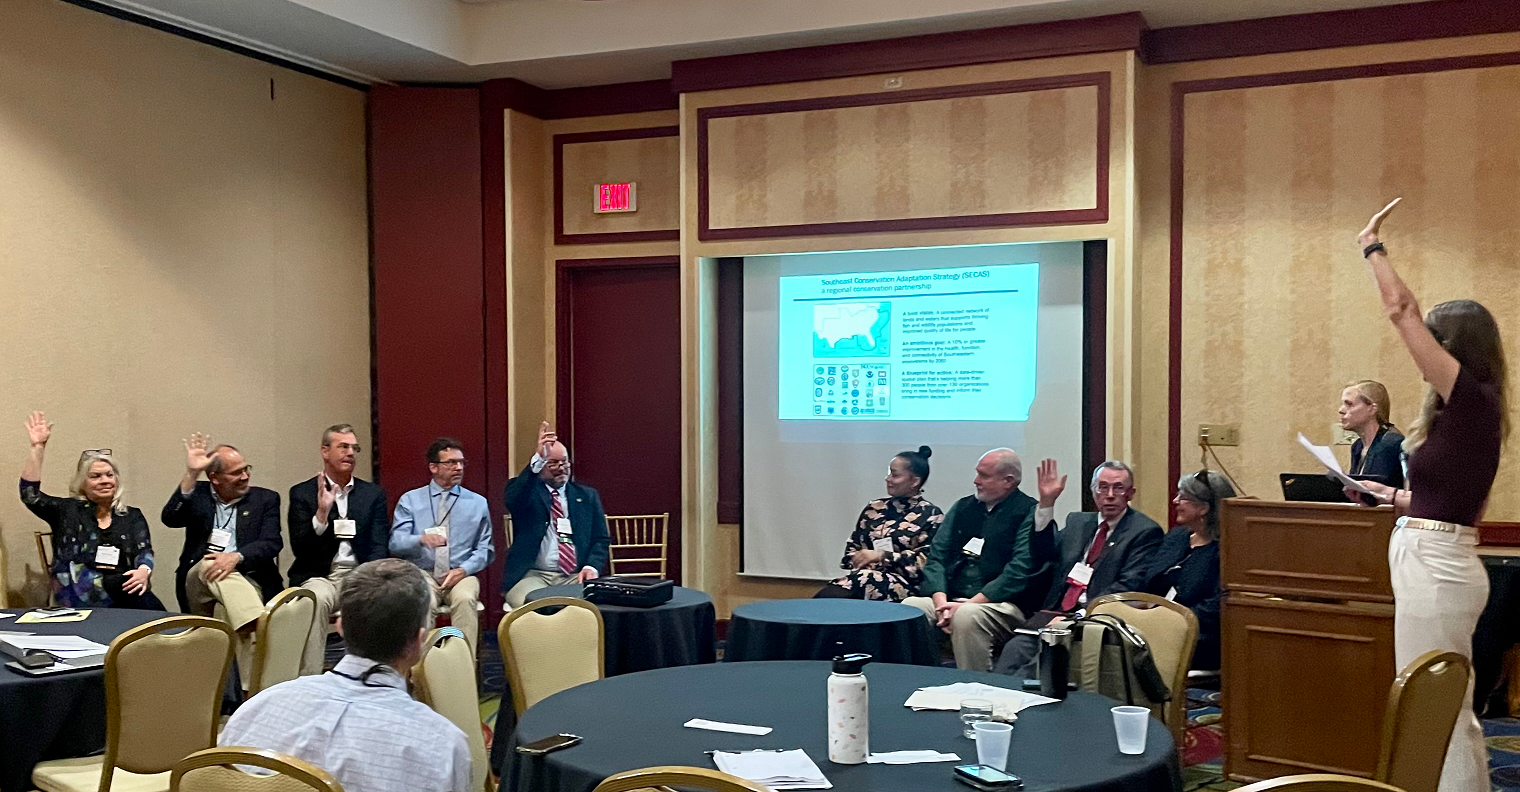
(1378, 449)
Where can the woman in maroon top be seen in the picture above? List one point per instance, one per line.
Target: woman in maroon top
(1439, 585)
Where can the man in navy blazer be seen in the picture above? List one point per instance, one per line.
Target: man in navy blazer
(559, 530)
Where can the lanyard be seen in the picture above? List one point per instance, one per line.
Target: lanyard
(446, 512)
(225, 525)
(363, 677)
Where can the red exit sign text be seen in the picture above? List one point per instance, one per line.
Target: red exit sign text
(620, 197)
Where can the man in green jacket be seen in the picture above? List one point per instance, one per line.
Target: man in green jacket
(983, 578)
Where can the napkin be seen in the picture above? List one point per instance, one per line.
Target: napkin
(38, 617)
(736, 728)
(775, 769)
(910, 757)
(1005, 701)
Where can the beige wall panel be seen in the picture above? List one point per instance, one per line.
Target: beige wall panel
(180, 252)
(1005, 153)
(652, 162)
(530, 316)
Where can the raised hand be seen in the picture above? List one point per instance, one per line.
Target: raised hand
(38, 430)
(327, 495)
(1049, 482)
(1370, 233)
(546, 438)
(197, 459)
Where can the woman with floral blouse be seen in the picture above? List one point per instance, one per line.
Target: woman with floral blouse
(885, 556)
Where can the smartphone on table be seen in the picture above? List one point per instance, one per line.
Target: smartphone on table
(548, 745)
(987, 778)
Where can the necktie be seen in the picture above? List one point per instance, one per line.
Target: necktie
(1073, 588)
(566, 548)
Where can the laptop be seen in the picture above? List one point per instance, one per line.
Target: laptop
(1317, 487)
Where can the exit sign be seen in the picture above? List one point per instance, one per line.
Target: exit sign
(620, 197)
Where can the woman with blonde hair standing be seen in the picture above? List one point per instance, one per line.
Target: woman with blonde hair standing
(1439, 585)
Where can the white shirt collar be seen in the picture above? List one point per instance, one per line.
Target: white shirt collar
(346, 488)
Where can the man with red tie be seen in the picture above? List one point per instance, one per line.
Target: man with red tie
(1095, 554)
(559, 527)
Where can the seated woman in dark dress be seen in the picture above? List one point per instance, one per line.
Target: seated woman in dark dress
(1378, 449)
(102, 556)
(886, 553)
(1185, 568)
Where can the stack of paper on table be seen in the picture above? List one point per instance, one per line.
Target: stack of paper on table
(775, 769)
(63, 647)
(1005, 701)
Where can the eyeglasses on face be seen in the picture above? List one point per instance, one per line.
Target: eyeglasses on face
(354, 447)
(450, 463)
(246, 470)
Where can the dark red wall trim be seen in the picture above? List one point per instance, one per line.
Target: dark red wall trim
(1499, 534)
(560, 141)
(730, 390)
(1094, 359)
(1098, 214)
(1180, 92)
(595, 100)
(497, 453)
(1113, 33)
(1325, 30)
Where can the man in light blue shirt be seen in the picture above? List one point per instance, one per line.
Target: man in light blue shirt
(446, 530)
(357, 721)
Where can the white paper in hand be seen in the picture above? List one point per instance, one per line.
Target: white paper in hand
(1327, 458)
(736, 728)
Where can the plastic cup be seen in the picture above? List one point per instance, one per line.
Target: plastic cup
(1129, 726)
(992, 743)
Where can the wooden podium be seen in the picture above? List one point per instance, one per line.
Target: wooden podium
(1307, 628)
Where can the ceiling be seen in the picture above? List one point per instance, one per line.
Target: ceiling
(568, 43)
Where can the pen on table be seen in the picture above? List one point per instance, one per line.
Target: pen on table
(751, 750)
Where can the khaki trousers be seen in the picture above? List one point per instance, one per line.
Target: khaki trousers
(978, 628)
(325, 590)
(460, 603)
(533, 581)
(233, 599)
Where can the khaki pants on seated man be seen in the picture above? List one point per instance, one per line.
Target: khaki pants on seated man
(325, 591)
(534, 580)
(976, 628)
(241, 604)
(460, 603)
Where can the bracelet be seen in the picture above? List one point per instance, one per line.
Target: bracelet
(1373, 248)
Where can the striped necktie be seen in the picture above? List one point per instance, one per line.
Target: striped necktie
(566, 547)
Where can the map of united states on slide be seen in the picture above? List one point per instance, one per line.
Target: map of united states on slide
(851, 330)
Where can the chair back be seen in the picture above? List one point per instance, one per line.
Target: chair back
(672, 776)
(1423, 706)
(1171, 631)
(1318, 782)
(280, 638)
(164, 692)
(547, 654)
(214, 770)
(638, 542)
(506, 533)
(43, 539)
(444, 679)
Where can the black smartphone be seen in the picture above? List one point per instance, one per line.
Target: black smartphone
(35, 659)
(548, 744)
(988, 779)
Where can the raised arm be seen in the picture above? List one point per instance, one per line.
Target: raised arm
(38, 430)
(1436, 365)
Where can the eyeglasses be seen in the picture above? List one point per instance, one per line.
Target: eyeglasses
(354, 447)
(1111, 489)
(557, 463)
(450, 463)
(246, 470)
(94, 452)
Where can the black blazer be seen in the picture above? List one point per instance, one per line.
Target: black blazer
(1194, 572)
(527, 500)
(1122, 565)
(314, 554)
(258, 535)
(1385, 459)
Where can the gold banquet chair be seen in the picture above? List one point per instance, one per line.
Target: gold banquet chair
(673, 776)
(1171, 630)
(1318, 782)
(163, 699)
(279, 639)
(444, 679)
(1423, 706)
(633, 538)
(547, 654)
(213, 770)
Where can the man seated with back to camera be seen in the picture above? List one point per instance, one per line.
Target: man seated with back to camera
(983, 577)
(1097, 553)
(357, 721)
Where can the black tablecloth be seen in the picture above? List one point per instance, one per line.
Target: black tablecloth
(62, 715)
(816, 629)
(679, 632)
(1498, 630)
(635, 721)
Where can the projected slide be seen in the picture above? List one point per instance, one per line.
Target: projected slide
(954, 344)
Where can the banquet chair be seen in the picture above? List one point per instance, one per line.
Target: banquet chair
(1171, 630)
(638, 534)
(672, 776)
(506, 533)
(213, 770)
(163, 699)
(547, 654)
(279, 638)
(1318, 782)
(1422, 709)
(444, 679)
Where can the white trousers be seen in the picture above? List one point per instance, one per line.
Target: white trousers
(1439, 590)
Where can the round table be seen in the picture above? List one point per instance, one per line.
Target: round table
(817, 629)
(635, 721)
(60, 715)
(676, 633)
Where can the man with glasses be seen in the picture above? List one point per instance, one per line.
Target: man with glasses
(232, 540)
(446, 530)
(337, 521)
(559, 526)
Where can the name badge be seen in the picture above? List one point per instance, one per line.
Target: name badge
(220, 538)
(344, 529)
(438, 530)
(1080, 572)
(562, 527)
(973, 546)
(1172, 595)
(883, 545)
(107, 556)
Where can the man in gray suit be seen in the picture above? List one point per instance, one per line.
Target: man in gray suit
(1096, 553)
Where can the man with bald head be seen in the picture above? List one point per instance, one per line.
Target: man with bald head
(559, 527)
(983, 577)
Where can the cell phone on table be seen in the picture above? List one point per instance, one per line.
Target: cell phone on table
(548, 744)
(987, 778)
